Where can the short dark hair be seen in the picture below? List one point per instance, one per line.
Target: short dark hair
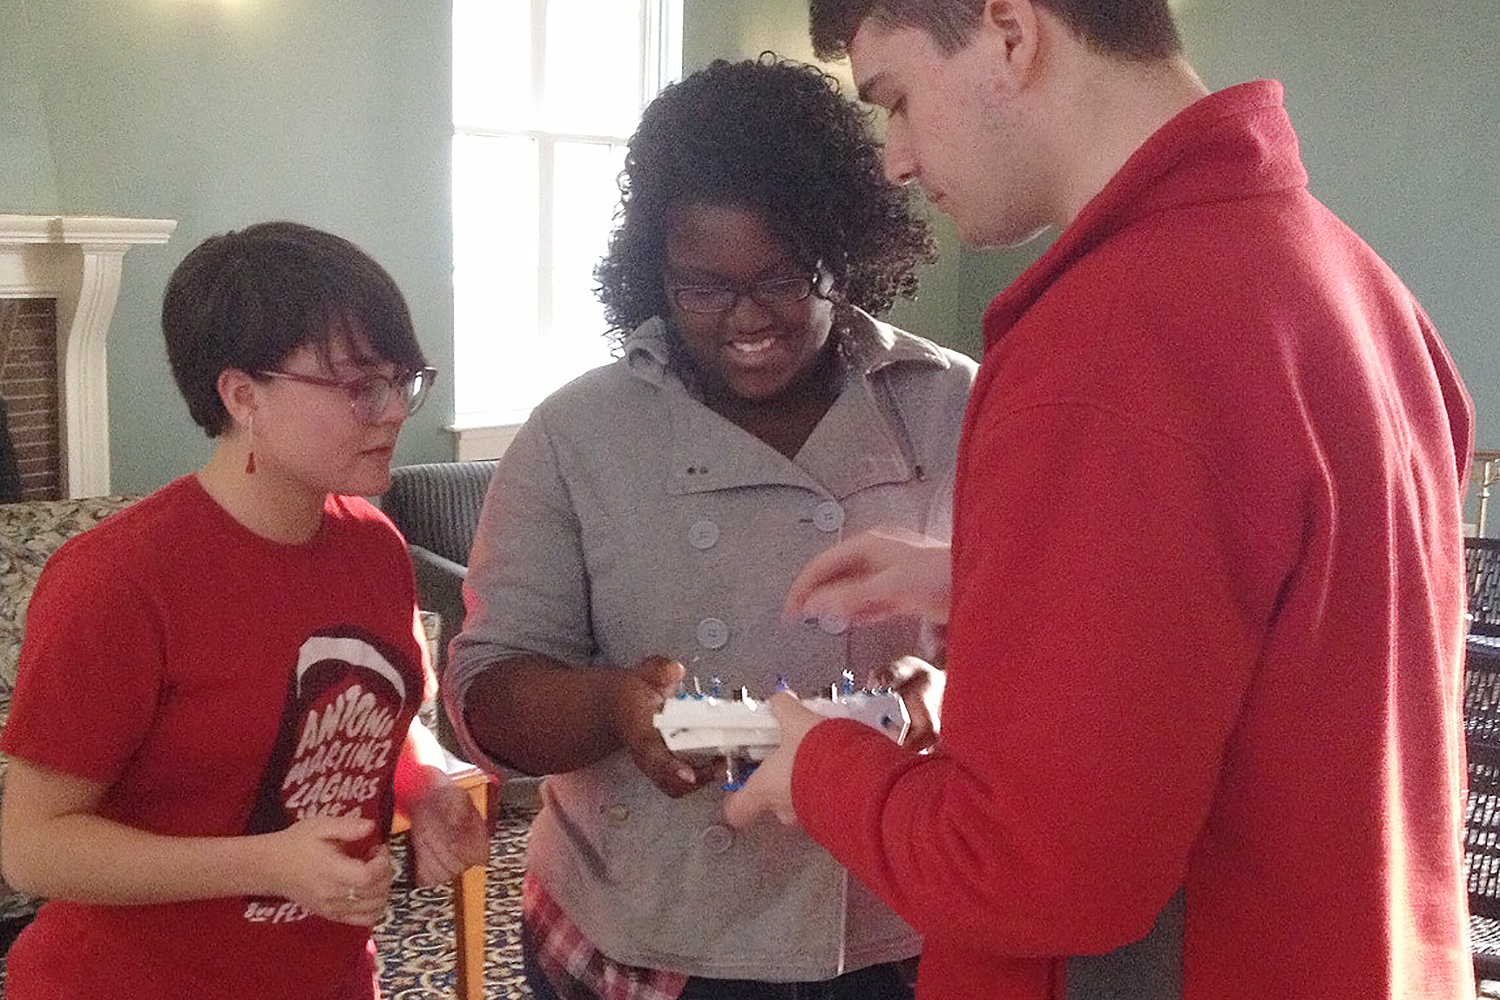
(779, 139)
(1130, 29)
(245, 300)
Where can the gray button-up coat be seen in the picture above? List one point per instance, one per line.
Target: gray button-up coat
(628, 519)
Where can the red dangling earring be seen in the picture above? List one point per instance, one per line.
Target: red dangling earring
(250, 461)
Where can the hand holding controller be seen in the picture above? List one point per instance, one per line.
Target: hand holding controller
(697, 724)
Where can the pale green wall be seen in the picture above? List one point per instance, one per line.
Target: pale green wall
(28, 176)
(335, 112)
(330, 112)
(1398, 109)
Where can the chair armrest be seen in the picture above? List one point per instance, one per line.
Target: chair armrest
(440, 583)
(440, 588)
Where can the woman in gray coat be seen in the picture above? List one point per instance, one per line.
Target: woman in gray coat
(649, 516)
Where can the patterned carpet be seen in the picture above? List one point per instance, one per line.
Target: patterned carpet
(414, 943)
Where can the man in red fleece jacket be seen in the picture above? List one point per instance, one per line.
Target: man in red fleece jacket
(1202, 734)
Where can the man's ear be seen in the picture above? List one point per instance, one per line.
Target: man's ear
(1012, 26)
(239, 393)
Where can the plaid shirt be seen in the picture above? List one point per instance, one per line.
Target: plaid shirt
(576, 969)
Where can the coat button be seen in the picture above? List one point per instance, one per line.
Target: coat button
(703, 534)
(618, 814)
(828, 516)
(717, 839)
(712, 633)
(833, 624)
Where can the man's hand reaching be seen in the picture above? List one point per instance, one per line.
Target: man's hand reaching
(875, 575)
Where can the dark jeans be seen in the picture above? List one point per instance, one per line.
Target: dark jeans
(891, 981)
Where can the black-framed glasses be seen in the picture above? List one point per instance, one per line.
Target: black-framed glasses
(708, 300)
(369, 395)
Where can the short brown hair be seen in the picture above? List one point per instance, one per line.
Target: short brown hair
(245, 300)
(1141, 30)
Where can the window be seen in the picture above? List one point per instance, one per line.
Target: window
(545, 96)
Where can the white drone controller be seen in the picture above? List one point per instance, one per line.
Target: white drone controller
(697, 724)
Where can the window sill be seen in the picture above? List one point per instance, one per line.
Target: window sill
(472, 444)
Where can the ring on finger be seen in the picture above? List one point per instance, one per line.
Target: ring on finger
(352, 896)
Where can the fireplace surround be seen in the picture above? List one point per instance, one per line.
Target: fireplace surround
(76, 261)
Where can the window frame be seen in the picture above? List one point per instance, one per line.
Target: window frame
(484, 432)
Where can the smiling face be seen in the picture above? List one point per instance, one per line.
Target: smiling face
(956, 124)
(752, 351)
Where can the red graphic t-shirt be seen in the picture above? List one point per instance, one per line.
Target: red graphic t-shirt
(217, 684)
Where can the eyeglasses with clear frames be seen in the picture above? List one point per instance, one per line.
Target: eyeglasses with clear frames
(707, 300)
(371, 394)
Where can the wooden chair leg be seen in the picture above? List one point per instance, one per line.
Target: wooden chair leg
(469, 905)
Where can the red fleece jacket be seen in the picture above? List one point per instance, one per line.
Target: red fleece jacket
(1207, 599)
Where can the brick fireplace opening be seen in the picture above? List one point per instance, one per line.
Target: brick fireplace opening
(30, 452)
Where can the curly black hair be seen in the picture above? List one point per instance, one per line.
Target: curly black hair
(775, 137)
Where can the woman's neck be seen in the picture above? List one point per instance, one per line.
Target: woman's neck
(786, 420)
(267, 504)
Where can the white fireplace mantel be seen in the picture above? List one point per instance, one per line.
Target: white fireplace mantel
(77, 261)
